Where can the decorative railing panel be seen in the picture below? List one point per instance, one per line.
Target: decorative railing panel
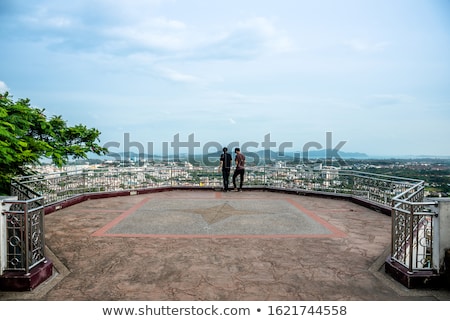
(24, 229)
(57, 187)
(413, 230)
(412, 219)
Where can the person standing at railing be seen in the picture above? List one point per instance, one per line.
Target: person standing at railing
(240, 169)
(225, 167)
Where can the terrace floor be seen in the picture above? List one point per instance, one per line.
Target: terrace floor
(209, 245)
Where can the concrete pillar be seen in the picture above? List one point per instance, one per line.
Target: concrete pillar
(444, 228)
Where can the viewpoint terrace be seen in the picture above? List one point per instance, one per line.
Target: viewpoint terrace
(293, 234)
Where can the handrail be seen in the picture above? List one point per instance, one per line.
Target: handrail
(403, 196)
(57, 186)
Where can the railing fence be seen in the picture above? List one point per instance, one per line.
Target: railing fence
(415, 242)
(413, 220)
(24, 229)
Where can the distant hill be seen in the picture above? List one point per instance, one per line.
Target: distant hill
(261, 154)
(274, 156)
(313, 154)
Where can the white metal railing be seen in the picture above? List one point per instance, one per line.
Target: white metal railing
(56, 187)
(412, 218)
(23, 229)
(415, 238)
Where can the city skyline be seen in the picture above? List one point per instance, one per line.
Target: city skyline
(373, 73)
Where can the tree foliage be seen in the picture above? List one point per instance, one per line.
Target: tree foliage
(27, 136)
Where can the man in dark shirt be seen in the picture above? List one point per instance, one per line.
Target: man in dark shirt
(240, 168)
(225, 166)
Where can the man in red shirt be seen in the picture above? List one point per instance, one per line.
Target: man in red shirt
(240, 168)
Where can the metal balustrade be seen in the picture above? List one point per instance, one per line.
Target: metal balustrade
(413, 237)
(25, 246)
(414, 234)
(56, 187)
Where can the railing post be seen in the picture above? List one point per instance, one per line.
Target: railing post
(3, 231)
(27, 236)
(411, 238)
(84, 181)
(264, 176)
(2, 239)
(393, 227)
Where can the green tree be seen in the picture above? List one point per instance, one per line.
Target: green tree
(27, 136)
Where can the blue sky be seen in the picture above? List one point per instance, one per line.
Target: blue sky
(374, 73)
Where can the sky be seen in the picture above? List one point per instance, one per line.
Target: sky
(374, 73)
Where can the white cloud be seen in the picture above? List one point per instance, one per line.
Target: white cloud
(3, 87)
(131, 10)
(227, 98)
(271, 37)
(138, 26)
(389, 99)
(246, 39)
(42, 17)
(178, 76)
(366, 46)
(152, 34)
(174, 39)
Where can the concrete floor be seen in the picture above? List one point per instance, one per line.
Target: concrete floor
(207, 245)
